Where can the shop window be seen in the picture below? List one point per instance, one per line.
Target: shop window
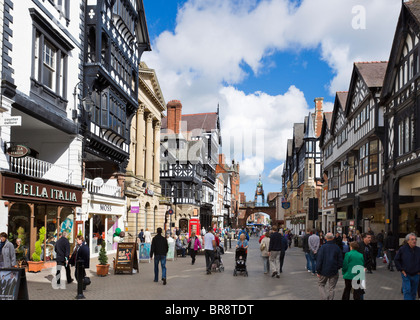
(19, 225)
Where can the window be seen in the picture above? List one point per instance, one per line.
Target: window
(405, 135)
(49, 66)
(373, 156)
(369, 155)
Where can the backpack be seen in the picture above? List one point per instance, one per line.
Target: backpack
(263, 246)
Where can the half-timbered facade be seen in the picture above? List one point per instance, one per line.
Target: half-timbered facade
(114, 38)
(302, 171)
(402, 124)
(189, 154)
(352, 149)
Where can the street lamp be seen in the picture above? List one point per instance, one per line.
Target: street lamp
(87, 101)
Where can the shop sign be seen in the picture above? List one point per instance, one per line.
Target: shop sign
(36, 191)
(18, 151)
(135, 207)
(106, 208)
(342, 215)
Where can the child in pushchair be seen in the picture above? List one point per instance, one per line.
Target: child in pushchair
(218, 263)
(240, 261)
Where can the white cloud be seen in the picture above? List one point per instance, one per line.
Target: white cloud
(202, 60)
(276, 173)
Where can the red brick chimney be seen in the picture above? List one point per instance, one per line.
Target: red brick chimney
(174, 108)
(318, 115)
(222, 159)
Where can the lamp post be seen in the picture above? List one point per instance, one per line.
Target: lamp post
(87, 101)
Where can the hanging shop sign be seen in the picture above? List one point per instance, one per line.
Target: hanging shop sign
(18, 151)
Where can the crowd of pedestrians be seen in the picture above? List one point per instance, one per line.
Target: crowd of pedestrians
(357, 255)
(329, 257)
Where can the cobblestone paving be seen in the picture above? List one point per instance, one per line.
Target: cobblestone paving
(190, 282)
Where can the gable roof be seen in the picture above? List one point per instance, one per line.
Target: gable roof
(372, 75)
(339, 103)
(326, 125)
(410, 10)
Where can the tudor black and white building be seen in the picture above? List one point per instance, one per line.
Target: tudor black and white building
(189, 155)
(115, 37)
(400, 98)
(352, 150)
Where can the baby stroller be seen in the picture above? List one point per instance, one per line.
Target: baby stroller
(218, 263)
(240, 262)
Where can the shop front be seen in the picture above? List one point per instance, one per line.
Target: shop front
(30, 204)
(105, 217)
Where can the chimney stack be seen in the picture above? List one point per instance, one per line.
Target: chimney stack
(174, 108)
(318, 115)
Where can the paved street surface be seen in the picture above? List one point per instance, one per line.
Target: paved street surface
(190, 282)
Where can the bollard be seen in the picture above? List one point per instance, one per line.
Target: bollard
(225, 243)
(80, 273)
(230, 243)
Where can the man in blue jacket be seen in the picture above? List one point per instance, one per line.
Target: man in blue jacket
(328, 262)
(407, 261)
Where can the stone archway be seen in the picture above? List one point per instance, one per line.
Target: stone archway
(245, 212)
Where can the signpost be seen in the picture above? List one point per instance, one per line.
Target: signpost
(126, 258)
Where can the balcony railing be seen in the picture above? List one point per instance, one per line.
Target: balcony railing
(36, 168)
(108, 190)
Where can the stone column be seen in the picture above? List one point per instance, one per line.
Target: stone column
(140, 142)
(156, 151)
(149, 147)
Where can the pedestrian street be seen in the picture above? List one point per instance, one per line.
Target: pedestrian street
(190, 282)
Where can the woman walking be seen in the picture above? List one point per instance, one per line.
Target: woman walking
(265, 243)
(193, 246)
(353, 265)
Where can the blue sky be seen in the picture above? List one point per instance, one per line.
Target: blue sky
(264, 62)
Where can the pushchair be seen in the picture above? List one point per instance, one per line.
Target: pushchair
(240, 262)
(218, 263)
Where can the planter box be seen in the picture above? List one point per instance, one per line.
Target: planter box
(35, 266)
(102, 270)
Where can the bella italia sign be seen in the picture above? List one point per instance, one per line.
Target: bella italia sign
(37, 191)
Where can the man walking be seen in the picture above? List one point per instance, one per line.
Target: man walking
(407, 261)
(159, 249)
(209, 248)
(329, 261)
(305, 247)
(390, 249)
(313, 243)
(62, 248)
(366, 249)
(274, 252)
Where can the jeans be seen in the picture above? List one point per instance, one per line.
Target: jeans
(409, 286)
(209, 259)
(266, 264)
(308, 261)
(312, 258)
(162, 260)
(282, 254)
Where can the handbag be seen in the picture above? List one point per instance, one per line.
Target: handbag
(86, 281)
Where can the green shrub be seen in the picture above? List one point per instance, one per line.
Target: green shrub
(36, 256)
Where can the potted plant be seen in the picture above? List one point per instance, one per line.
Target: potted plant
(36, 264)
(103, 267)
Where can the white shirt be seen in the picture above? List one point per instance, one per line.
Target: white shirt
(147, 237)
(208, 241)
